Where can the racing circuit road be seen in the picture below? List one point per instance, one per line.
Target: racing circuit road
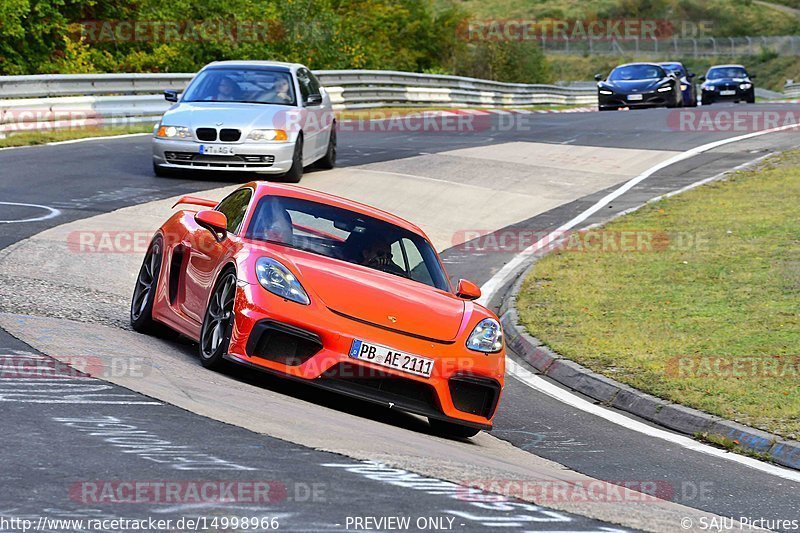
(536, 175)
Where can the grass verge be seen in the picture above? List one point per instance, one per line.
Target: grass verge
(44, 137)
(707, 316)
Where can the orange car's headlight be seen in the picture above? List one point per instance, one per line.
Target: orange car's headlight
(278, 280)
(487, 337)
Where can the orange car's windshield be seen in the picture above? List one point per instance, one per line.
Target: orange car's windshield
(348, 236)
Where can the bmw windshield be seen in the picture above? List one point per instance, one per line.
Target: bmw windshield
(348, 236)
(251, 86)
(726, 72)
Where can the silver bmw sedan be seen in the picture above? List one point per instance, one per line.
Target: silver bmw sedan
(260, 117)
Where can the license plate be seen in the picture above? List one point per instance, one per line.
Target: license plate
(727, 93)
(215, 149)
(634, 97)
(390, 358)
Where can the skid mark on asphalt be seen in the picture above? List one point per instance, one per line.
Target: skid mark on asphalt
(26, 377)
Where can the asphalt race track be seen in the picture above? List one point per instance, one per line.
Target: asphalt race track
(313, 449)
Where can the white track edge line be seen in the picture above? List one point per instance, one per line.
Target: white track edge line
(545, 387)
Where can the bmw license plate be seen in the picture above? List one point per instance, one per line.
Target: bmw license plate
(727, 93)
(215, 149)
(634, 97)
(383, 356)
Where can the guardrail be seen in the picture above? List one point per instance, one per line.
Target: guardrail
(791, 90)
(55, 101)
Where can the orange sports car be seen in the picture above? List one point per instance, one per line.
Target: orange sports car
(328, 291)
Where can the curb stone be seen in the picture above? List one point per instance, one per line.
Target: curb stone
(605, 390)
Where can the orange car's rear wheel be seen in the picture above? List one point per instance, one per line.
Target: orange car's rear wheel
(452, 430)
(144, 294)
(215, 335)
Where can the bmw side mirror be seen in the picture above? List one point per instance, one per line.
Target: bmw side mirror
(171, 95)
(702, 78)
(598, 77)
(751, 76)
(468, 290)
(314, 99)
(690, 75)
(214, 221)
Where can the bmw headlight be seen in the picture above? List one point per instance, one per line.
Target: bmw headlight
(173, 132)
(487, 336)
(684, 87)
(745, 86)
(606, 91)
(267, 135)
(664, 89)
(709, 88)
(277, 279)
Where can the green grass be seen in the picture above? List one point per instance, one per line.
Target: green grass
(728, 18)
(44, 137)
(734, 295)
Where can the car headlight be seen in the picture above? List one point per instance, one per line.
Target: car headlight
(173, 132)
(606, 91)
(267, 135)
(487, 336)
(709, 88)
(277, 279)
(745, 86)
(684, 87)
(664, 89)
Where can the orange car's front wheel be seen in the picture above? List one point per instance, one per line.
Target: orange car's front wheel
(215, 335)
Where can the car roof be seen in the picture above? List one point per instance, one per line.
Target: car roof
(671, 63)
(726, 66)
(250, 64)
(264, 188)
(639, 63)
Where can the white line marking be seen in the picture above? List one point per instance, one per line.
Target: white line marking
(545, 387)
(73, 141)
(53, 212)
(504, 274)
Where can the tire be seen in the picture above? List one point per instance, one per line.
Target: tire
(163, 172)
(144, 293)
(215, 335)
(751, 100)
(452, 430)
(329, 160)
(295, 173)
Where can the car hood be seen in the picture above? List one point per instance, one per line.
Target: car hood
(637, 86)
(383, 300)
(726, 81)
(231, 115)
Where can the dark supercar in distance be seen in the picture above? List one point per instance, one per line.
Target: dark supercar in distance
(635, 85)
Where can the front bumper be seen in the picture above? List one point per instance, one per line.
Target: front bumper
(312, 343)
(618, 100)
(267, 158)
(738, 94)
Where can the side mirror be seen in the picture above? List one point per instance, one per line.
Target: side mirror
(214, 221)
(690, 75)
(468, 290)
(702, 78)
(752, 76)
(171, 95)
(314, 99)
(598, 77)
